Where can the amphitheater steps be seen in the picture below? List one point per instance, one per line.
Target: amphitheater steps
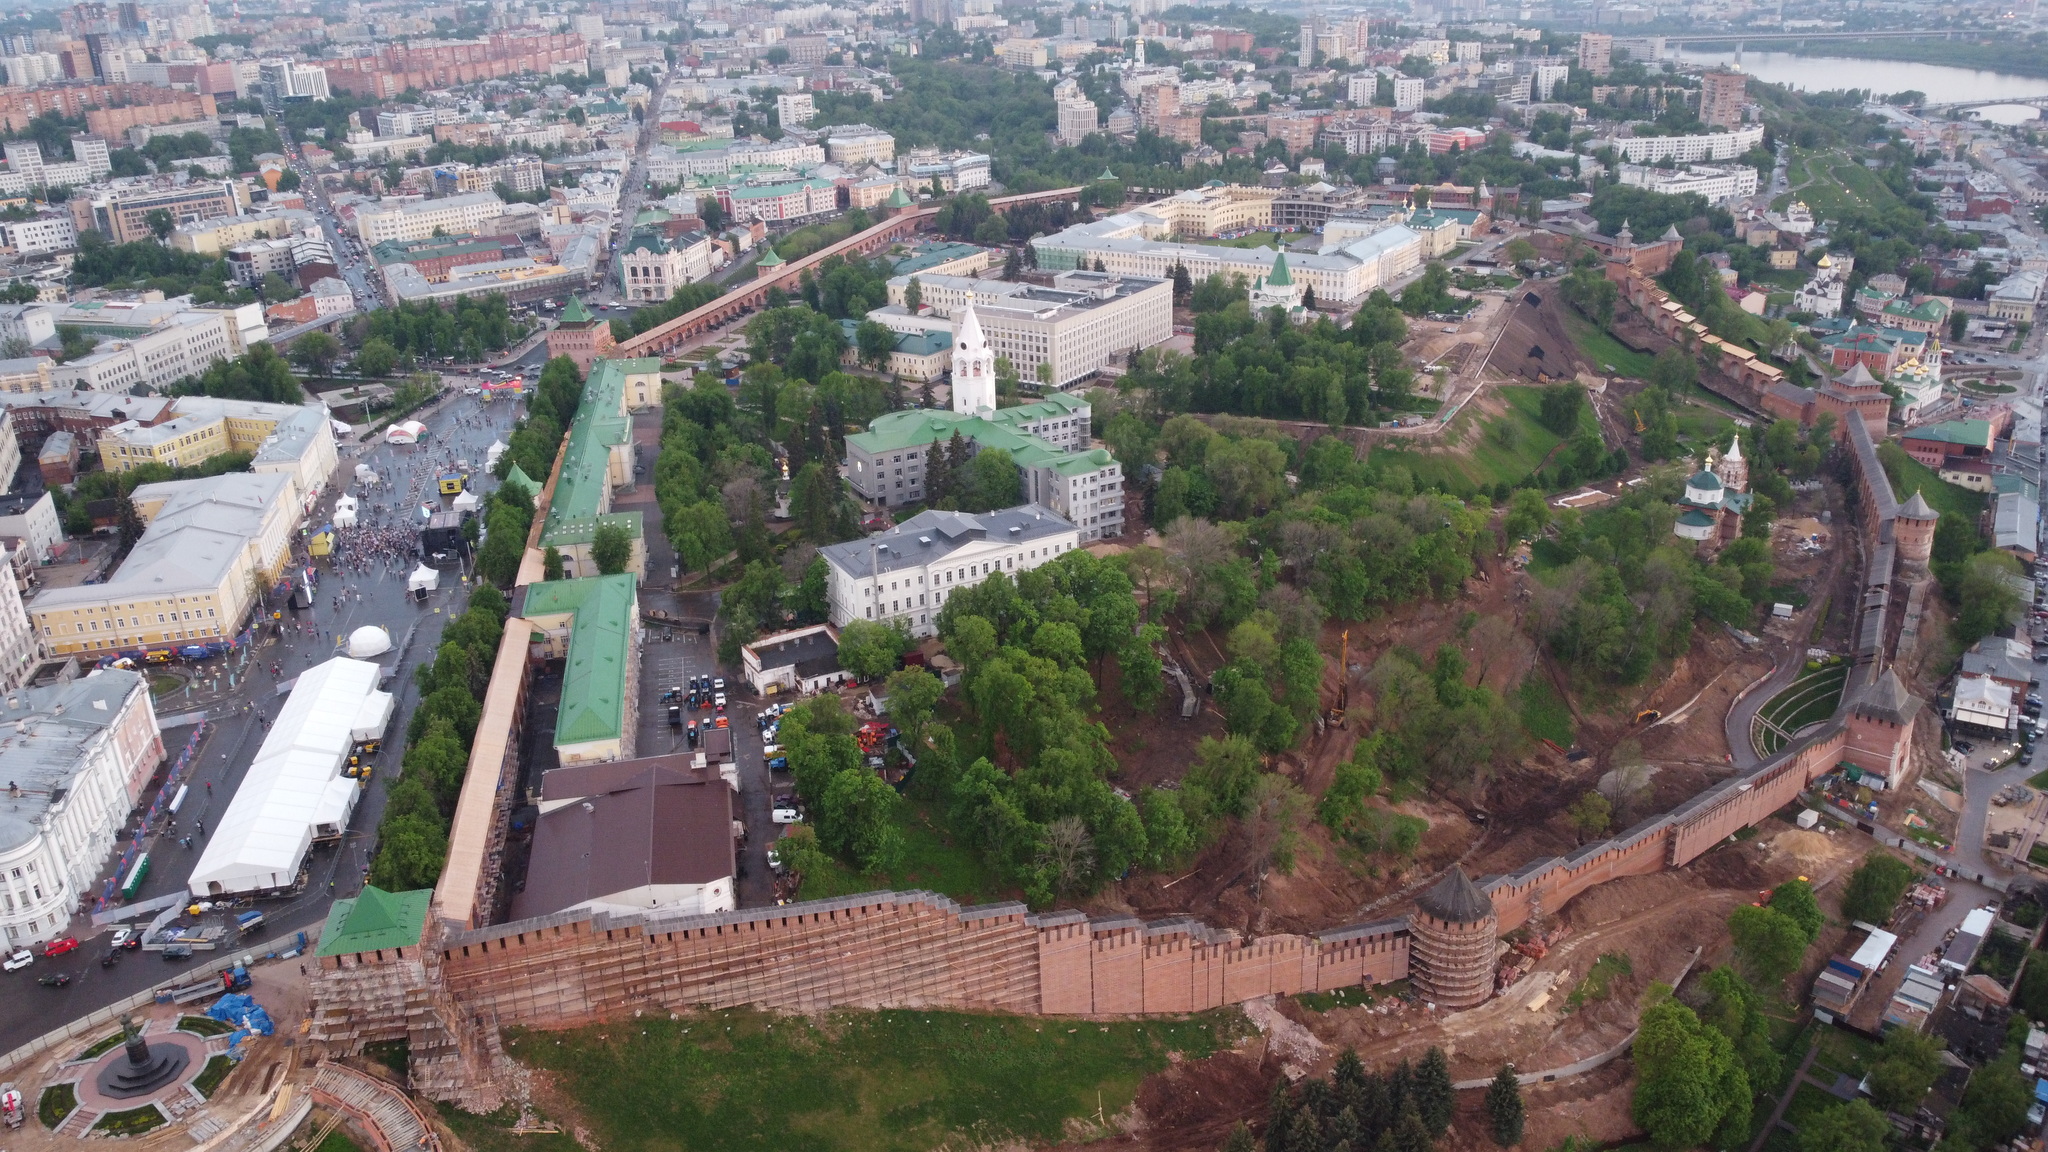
(378, 1104)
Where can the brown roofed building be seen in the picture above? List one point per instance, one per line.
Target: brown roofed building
(630, 836)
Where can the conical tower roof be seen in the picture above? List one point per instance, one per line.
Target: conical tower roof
(897, 199)
(575, 313)
(1734, 449)
(1456, 899)
(1280, 275)
(769, 259)
(1917, 508)
(970, 328)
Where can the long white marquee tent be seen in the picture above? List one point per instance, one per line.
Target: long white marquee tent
(294, 791)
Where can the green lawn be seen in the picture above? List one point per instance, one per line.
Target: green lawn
(1810, 699)
(1605, 352)
(1544, 712)
(898, 1080)
(931, 861)
(1948, 499)
(1486, 458)
(493, 1133)
(1599, 981)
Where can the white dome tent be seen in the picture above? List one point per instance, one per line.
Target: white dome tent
(368, 641)
(405, 432)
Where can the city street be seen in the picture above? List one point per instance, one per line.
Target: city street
(372, 564)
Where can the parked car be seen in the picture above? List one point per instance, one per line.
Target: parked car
(55, 980)
(718, 684)
(125, 938)
(176, 952)
(779, 763)
(22, 958)
(770, 751)
(1963, 746)
(785, 811)
(61, 945)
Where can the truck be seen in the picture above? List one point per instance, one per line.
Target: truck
(11, 1110)
(249, 921)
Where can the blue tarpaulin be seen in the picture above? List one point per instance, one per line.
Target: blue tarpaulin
(246, 1014)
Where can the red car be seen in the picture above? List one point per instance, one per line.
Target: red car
(61, 945)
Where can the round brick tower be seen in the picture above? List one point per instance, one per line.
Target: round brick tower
(1913, 533)
(1452, 940)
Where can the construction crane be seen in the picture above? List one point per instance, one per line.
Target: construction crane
(1640, 426)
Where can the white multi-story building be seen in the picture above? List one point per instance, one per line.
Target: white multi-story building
(1408, 93)
(27, 169)
(1126, 244)
(795, 108)
(453, 215)
(32, 68)
(1544, 79)
(179, 342)
(903, 576)
(76, 760)
(1684, 149)
(1084, 321)
(42, 234)
(18, 647)
(291, 80)
(954, 171)
(1719, 184)
(1078, 115)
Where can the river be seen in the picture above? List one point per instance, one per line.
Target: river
(1942, 83)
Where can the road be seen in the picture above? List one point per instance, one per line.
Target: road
(461, 427)
(632, 193)
(353, 261)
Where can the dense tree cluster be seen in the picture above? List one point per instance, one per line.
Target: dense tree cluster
(1876, 887)
(474, 326)
(1407, 1109)
(144, 265)
(258, 374)
(1249, 366)
(508, 511)
(700, 456)
(412, 836)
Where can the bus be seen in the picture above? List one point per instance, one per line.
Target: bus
(137, 873)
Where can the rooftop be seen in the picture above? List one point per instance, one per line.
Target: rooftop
(582, 493)
(375, 920)
(811, 651)
(604, 610)
(630, 824)
(197, 534)
(43, 736)
(931, 536)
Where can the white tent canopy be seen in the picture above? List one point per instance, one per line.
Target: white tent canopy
(294, 790)
(423, 577)
(345, 512)
(365, 474)
(466, 501)
(491, 455)
(340, 428)
(405, 432)
(368, 641)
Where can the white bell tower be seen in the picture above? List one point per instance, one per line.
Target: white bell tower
(974, 365)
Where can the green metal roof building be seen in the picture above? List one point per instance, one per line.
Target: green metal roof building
(599, 457)
(591, 623)
(375, 921)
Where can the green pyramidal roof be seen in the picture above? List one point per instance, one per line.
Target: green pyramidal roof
(1280, 276)
(373, 920)
(769, 259)
(517, 478)
(897, 199)
(575, 313)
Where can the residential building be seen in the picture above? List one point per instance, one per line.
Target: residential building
(1596, 52)
(436, 257)
(78, 756)
(1409, 93)
(952, 171)
(452, 216)
(652, 266)
(1055, 335)
(1924, 314)
(1722, 96)
(29, 522)
(153, 344)
(2015, 297)
(207, 547)
(217, 234)
(250, 262)
(120, 212)
(519, 279)
(1684, 149)
(1078, 116)
(904, 575)
(27, 167)
(1720, 185)
(32, 324)
(291, 80)
(48, 233)
(795, 109)
(798, 662)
